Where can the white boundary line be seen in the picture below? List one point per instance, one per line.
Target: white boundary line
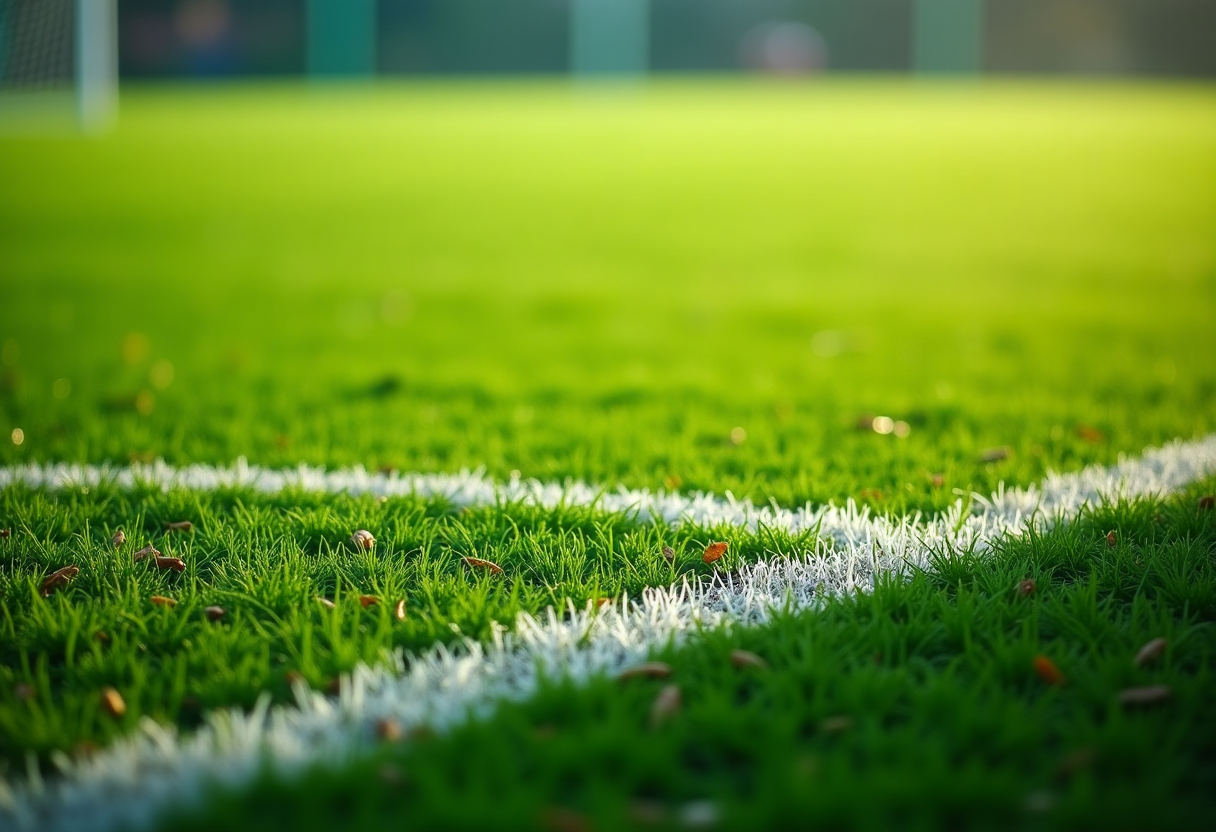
(130, 782)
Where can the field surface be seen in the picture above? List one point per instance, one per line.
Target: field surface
(822, 323)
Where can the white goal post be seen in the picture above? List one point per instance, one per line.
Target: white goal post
(58, 63)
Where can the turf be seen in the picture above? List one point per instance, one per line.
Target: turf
(916, 706)
(526, 277)
(266, 561)
(694, 286)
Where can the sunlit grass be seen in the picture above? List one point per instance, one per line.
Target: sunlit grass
(606, 287)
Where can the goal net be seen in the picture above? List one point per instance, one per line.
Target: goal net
(58, 63)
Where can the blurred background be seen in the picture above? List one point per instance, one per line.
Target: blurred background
(162, 39)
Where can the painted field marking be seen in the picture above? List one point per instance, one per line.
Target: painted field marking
(134, 779)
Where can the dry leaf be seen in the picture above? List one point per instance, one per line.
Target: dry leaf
(119, 538)
(560, 819)
(399, 610)
(102, 636)
(714, 551)
(163, 601)
(176, 564)
(1149, 695)
(5, 534)
(669, 554)
(1090, 434)
(745, 659)
(938, 480)
(666, 705)
(58, 579)
(1048, 671)
(1207, 501)
(362, 539)
(180, 526)
(1112, 540)
(646, 670)
(994, 454)
(835, 724)
(870, 494)
(647, 812)
(293, 677)
(325, 602)
(23, 691)
(214, 613)
(600, 603)
(483, 564)
(368, 600)
(389, 730)
(112, 703)
(1026, 588)
(145, 552)
(1151, 651)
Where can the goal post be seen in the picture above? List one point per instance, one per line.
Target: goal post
(58, 64)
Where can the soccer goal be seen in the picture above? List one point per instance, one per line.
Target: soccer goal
(58, 64)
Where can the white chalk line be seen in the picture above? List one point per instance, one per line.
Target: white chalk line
(132, 781)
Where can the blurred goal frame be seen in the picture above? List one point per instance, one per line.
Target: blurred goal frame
(89, 102)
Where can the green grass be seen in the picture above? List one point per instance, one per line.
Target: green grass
(533, 278)
(529, 278)
(947, 722)
(266, 560)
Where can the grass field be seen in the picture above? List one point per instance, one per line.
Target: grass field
(693, 287)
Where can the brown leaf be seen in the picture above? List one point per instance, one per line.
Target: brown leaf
(483, 564)
(835, 724)
(112, 702)
(746, 659)
(1148, 695)
(874, 494)
(368, 600)
(362, 539)
(647, 812)
(399, 610)
(5, 534)
(214, 613)
(23, 691)
(145, 552)
(102, 636)
(163, 601)
(1048, 671)
(119, 538)
(1026, 588)
(1112, 539)
(938, 480)
(714, 551)
(389, 730)
(1090, 434)
(669, 554)
(560, 819)
(1151, 651)
(666, 705)
(58, 579)
(176, 564)
(991, 455)
(1207, 501)
(293, 677)
(646, 670)
(180, 526)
